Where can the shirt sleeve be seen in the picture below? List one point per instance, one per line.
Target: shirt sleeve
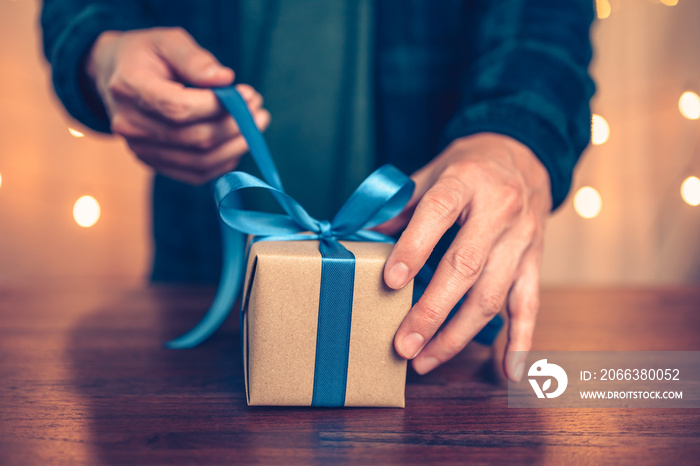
(69, 29)
(530, 81)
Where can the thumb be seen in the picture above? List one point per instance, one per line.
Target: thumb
(191, 63)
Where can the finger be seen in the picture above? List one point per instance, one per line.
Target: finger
(423, 179)
(137, 126)
(191, 63)
(484, 301)
(189, 176)
(250, 95)
(164, 99)
(133, 124)
(193, 160)
(523, 305)
(436, 212)
(456, 273)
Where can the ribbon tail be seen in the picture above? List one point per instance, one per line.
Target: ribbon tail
(227, 293)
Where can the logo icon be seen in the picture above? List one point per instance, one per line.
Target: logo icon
(542, 368)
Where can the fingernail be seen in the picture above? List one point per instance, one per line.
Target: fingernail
(518, 372)
(425, 365)
(411, 345)
(397, 276)
(211, 71)
(216, 71)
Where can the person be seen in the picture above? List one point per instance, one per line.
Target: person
(486, 103)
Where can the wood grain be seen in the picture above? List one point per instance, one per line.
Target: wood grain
(85, 380)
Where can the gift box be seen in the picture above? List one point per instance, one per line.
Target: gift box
(318, 322)
(283, 358)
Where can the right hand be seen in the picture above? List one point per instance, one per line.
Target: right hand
(182, 132)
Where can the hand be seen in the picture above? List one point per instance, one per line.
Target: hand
(498, 192)
(181, 132)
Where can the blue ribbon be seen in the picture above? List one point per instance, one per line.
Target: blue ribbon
(380, 197)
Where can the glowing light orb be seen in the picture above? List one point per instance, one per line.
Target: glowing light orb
(75, 133)
(600, 130)
(587, 202)
(602, 9)
(86, 211)
(689, 105)
(690, 190)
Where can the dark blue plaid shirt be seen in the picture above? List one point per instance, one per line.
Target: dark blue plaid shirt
(444, 69)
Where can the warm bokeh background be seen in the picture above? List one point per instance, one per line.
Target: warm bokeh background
(646, 57)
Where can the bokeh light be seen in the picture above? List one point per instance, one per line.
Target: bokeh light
(669, 2)
(689, 105)
(690, 190)
(86, 211)
(75, 133)
(602, 8)
(587, 202)
(600, 130)
(0, 180)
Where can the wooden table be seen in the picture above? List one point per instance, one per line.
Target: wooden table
(84, 379)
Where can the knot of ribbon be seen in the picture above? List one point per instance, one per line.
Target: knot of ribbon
(325, 228)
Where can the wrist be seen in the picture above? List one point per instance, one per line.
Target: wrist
(100, 49)
(512, 152)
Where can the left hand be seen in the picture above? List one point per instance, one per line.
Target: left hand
(497, 190)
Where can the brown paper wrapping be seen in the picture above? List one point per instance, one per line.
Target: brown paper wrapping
(281, 298)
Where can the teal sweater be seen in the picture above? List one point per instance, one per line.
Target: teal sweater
(413, 76)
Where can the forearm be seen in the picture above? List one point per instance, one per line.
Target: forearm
(530, 81)
(69, 30)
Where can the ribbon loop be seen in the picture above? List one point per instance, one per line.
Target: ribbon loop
(380, 197)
